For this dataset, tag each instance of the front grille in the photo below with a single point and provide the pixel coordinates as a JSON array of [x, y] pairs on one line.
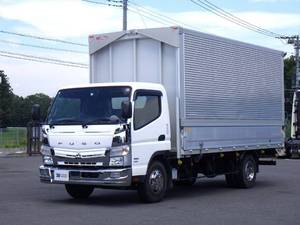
[[81, 162], [65, 163], [85, 156]]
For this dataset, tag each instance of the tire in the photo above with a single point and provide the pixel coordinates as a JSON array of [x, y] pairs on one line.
[[247, 172], [79, 191], [154, 188], [246, 176]]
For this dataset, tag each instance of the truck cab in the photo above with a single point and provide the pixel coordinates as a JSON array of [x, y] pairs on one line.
[[293, 142], [104, 135]]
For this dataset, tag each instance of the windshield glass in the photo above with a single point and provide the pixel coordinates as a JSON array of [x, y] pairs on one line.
[[95, 105]]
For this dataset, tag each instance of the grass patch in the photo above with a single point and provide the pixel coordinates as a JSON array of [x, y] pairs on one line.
[[287, 129], [13, 137]]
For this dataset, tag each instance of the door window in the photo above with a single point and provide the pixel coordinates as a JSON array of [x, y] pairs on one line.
[[147, 108]]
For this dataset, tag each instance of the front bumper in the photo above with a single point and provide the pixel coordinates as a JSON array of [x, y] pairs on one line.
[[102, 177]]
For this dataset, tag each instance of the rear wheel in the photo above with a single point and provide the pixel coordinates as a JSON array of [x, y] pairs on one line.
[[246, 176], [79, 191], [154, 187]]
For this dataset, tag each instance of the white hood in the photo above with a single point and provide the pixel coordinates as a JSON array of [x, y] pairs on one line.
[[75, 138]]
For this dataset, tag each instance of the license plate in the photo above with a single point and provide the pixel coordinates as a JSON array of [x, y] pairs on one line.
[[61, 175]]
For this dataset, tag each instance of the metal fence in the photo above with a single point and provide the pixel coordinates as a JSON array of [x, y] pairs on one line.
[[22, 137], [13, 137]]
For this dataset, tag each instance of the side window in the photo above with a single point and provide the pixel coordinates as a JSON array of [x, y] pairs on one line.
[[147, 108]]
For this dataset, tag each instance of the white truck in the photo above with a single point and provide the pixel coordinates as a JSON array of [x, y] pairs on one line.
[[292, 144], [164, 106]]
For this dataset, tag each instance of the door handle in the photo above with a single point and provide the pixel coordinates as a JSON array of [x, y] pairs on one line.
[[161, 137]]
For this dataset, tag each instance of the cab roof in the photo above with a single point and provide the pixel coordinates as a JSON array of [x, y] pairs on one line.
[[133, 85]]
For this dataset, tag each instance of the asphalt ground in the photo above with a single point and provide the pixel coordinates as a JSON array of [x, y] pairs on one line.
[[274, 200]]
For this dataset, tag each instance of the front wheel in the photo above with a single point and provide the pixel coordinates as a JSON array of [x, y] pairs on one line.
[[154, 188], [79, 191]]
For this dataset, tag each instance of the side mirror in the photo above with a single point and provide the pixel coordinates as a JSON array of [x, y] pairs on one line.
[[36, 112], [126, 109]]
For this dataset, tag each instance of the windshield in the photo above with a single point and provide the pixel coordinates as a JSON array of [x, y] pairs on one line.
[[95, 105]]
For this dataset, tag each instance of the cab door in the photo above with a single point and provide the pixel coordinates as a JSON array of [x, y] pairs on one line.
[[150, 128]]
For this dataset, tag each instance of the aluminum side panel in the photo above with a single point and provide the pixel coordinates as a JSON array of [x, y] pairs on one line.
[[229, 81], [232, 94]]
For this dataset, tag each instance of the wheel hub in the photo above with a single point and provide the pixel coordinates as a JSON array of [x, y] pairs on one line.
[[156, 181], [250, 171]]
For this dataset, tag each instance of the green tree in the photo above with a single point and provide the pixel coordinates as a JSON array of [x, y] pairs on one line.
[[6, 96], [41, 99], [289, 76], [19, 116], [22, 108]]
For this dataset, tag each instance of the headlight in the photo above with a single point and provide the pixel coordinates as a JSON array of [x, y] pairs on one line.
[[45, 150], [120, 137], [116, 161], [120, 150], [47, 160]]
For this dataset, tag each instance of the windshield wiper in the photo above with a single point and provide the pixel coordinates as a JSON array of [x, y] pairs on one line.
[[66, 121], [96, 121], [113, 120]]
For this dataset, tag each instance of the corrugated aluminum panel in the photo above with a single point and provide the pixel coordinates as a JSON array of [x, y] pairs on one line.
[[232, 95], [229, 80]]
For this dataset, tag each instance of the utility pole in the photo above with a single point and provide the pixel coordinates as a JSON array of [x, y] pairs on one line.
[[294, 40], [125, 2], [292, 145], [297, 47]]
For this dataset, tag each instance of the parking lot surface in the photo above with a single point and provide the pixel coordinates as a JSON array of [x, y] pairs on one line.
[[274, 200]]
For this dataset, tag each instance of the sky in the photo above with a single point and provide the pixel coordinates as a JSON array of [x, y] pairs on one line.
[[75, 20]]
